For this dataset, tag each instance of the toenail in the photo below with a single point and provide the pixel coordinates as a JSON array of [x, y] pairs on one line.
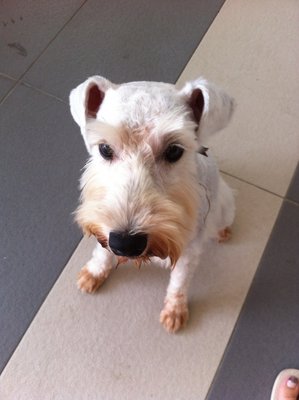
[[292, 382]]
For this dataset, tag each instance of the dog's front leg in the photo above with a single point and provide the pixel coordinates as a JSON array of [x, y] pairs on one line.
[[175, 312], [96, 271]]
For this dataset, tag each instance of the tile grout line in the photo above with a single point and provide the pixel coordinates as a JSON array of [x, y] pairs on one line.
[[5, 76], [19, 80], [27, 84], [294, 203], [284, 198]]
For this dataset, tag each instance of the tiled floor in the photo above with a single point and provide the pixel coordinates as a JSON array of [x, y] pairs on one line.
[[110, 345]]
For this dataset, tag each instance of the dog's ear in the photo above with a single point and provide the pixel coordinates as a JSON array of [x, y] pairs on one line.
[[211, 107], [86, 99]]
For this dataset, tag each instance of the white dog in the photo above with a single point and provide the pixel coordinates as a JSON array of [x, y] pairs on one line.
[[149, 190]]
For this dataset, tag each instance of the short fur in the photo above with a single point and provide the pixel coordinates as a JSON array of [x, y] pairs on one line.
[[178, 205]]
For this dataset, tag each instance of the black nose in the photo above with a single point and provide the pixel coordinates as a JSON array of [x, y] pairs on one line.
[[124, 244]]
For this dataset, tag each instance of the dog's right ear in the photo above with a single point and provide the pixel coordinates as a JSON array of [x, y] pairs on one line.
[[86, 99]]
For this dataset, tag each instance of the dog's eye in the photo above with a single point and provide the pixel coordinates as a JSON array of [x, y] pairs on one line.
[[173, 153], [106, 151]]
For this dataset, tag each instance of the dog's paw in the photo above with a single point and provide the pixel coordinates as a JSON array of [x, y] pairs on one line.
[[175, 314], [89, 283], [224, 235]]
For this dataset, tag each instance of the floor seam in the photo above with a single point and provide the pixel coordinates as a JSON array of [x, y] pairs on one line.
[[19, 80], [27, 84], [290, 201], [254, 185], [5, 76]]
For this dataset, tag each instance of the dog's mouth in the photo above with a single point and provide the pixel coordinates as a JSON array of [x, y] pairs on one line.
[[153, 249], [137, 261], [102, 240]]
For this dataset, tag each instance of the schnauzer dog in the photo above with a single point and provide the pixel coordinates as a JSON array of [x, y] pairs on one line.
[[150, 191]]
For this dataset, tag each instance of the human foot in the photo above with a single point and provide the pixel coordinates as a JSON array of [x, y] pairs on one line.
[[286, 386]]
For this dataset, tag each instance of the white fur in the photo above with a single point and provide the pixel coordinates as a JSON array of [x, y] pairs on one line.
[[122, 194], [218, 107], [102, 260]]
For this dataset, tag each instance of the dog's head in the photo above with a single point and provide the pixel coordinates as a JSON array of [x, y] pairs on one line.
[[139, 189]]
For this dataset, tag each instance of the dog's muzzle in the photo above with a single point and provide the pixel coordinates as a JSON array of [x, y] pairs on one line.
[[126, 245]]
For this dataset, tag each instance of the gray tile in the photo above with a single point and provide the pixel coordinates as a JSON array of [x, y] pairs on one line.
[[41, 153], [293, 191], [124, 41], [27, 27], [266, 336], [5, 85]]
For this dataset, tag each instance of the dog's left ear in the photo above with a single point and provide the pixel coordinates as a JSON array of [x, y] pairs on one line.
[[211, 107]]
